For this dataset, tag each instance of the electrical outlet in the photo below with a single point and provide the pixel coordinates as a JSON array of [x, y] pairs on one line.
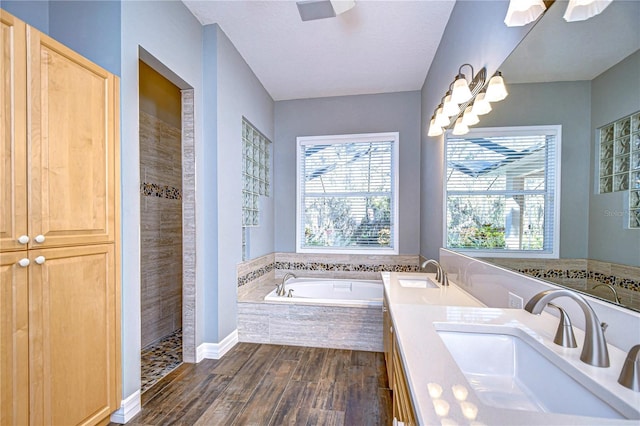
[[515, 301]]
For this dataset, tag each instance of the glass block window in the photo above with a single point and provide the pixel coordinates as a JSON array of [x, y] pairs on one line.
[[501, 187], [255, 172], [634, 173], [347, 194], [619, 162]]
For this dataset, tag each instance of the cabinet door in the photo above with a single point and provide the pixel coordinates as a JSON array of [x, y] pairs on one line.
[[14, 340], [73, 335], [72, 146], [387, 340], [13, 128]]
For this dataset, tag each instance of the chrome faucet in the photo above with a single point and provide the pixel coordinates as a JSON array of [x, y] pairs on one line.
[[441, 275], [630, 374], [280, 291], [594, 348], [613, 289], [564, 334]]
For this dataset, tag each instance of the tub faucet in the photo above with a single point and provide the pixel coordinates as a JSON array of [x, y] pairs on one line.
[[441, 275], [280, 291], [613, 289], [594, 348]]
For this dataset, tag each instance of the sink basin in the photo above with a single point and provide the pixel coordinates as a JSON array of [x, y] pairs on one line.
[[417, 283], [510, 369]]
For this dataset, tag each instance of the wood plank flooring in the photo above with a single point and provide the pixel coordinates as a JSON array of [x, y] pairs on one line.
[[256, 384]]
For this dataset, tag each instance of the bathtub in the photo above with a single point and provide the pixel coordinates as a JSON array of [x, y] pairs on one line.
[[330, 291]]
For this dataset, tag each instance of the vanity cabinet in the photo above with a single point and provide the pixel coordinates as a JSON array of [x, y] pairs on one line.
[[387, 339], [59, 244], [402, 404]]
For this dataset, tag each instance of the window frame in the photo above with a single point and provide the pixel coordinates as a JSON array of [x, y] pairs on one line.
[[555, 130], [394, 137]]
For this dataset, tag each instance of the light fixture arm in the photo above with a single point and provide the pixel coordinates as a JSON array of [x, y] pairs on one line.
[[460, 75]]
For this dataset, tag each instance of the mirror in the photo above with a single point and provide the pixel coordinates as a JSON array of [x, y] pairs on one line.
[[583, 76]]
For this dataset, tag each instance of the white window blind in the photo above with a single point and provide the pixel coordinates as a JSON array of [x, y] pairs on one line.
[[502, 190], [347, 193]]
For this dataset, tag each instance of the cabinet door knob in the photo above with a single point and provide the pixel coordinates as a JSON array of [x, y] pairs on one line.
[[40, 260], [384, 309], [39, 238], [23, 262], [23, 239]]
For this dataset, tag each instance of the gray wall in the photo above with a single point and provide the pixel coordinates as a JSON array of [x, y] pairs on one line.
[[567, 104], [91, 28], [172, 35], [475, 34], [615, 94], [238, 93], [347, 115]]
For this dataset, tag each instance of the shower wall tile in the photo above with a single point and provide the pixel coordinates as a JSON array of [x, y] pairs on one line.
[[160, 228], [189, 228]]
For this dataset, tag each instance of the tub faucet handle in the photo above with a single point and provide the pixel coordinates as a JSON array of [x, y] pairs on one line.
[[290, 293]]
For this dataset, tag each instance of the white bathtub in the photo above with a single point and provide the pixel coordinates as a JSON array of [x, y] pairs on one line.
[[330, 291]]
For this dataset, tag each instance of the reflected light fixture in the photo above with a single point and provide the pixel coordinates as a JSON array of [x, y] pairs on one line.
[[469, 118], [460, 128], [522, 12], [481, 105], [496, 90], [449, 107], [581, 10], [441, 120]]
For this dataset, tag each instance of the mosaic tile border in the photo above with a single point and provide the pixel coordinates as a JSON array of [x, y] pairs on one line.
[[160, 191], [627, 283], [322, 266]]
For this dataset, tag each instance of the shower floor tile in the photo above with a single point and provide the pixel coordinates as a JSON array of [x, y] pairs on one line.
[[160, 358]]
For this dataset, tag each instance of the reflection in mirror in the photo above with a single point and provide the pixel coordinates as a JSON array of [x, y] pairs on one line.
[[583, 76]]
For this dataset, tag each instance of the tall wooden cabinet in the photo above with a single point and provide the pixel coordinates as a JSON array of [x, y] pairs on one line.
[[59, 245]]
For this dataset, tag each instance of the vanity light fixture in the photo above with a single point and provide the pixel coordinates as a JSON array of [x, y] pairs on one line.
[[461, 92], [522, 12], [496, 91], [581, 10], [464, 113]]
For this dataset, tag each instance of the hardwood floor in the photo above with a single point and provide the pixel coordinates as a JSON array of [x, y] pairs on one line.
[[257, 384]]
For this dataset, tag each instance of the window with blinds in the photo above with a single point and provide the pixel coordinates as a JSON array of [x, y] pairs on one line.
[[347, 193], [502, 191]]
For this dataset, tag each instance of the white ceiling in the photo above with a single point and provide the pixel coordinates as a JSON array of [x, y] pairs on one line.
[[556, 50], [376, 47]]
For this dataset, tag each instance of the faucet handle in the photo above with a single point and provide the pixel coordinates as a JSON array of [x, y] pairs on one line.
[[564, 334], [630, 374]]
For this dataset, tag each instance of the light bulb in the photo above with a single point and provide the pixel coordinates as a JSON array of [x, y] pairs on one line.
[[469, 118], [521, 12], [496, 91], [460, 93], [460, 128], [434, 130], [441, 120], [481, 105], [450, 108]]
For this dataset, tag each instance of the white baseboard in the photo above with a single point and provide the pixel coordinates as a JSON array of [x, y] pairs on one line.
[[217, 350], [129, 407]]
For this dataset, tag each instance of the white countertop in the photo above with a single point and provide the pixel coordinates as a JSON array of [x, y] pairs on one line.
[[430, 365]]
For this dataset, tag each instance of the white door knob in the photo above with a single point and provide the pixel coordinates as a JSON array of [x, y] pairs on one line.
[[23, 262], [39, 238], [40, 260], [23, 239]]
